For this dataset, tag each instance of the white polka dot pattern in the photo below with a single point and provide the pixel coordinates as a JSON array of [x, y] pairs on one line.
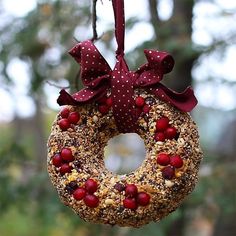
[[98, 77], [122, 94], [94, 68]]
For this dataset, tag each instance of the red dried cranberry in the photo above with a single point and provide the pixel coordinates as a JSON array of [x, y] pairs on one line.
[[91, 200], [162, 124], [131, 190], [91, 186], [168, 172], [109, 102], [143, 199], [163, 159], [160, 137], [67, 155], [103, 109], [65, 113], [171, 133], [74, 117], [139, 101], [64, 124], [65, 168], [130, 203], [176, 161], [79, 193], [57, 160]]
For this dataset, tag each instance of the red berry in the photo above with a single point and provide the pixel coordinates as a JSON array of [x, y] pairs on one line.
[[67, 155], [139, 101], [57, 160], [74, 117], [64, 124], [65, 113], [146, 108], [168, 172], [79, 193], [131, 190], [65, 168], [103, 109], [143, 199], [109, 102], [171, 133], [162, 124], [130, 203], [163, 159], [176, 161], [91, 186], [160, 137], [91, 200]]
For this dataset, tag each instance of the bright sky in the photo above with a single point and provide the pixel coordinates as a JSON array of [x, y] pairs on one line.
[[216, 66], [18, 8]]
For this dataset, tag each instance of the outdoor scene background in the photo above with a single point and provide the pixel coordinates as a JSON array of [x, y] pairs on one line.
[[34, 39]]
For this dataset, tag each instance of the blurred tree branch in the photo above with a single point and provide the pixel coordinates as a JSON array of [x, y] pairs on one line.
[[154, 18], [94, 20]]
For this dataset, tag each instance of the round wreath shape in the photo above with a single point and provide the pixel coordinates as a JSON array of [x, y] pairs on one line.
[[123, 101]]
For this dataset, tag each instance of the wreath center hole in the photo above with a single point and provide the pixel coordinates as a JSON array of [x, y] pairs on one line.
[[124, 153]]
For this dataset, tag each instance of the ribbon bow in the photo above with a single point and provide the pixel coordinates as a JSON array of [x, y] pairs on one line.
[[98, 78]]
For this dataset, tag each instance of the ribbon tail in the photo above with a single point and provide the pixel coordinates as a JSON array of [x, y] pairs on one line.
[[66, 99], [83, 96], [184, 101]]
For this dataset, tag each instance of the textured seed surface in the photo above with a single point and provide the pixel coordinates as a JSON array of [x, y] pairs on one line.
[[87, 140]]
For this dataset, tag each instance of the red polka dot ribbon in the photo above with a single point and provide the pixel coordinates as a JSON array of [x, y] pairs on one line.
[[98, 78]]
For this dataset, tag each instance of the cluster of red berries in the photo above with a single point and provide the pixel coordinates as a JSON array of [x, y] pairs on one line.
[[68, 118], [164, 130], [133, 198], [104, 105], [62, 160], [86, 193], [170, 163], [141, 106]]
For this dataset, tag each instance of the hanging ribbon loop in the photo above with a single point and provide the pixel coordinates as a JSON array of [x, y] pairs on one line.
[[119, 15]]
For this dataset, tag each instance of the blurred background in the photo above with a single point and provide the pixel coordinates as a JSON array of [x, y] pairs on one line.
[[34, 39]]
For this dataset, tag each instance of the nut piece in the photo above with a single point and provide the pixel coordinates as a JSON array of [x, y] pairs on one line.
[[169, 183], [109, 201], [95, 119]]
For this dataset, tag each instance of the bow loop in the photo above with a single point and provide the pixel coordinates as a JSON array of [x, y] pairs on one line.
[[161, 62], [94, 68], [95, 75], [151, 73]]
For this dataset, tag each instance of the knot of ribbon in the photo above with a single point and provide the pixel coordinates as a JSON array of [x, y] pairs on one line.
[[98, 78]]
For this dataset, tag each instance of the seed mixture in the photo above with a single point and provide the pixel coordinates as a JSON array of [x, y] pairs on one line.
[[168, 173]]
